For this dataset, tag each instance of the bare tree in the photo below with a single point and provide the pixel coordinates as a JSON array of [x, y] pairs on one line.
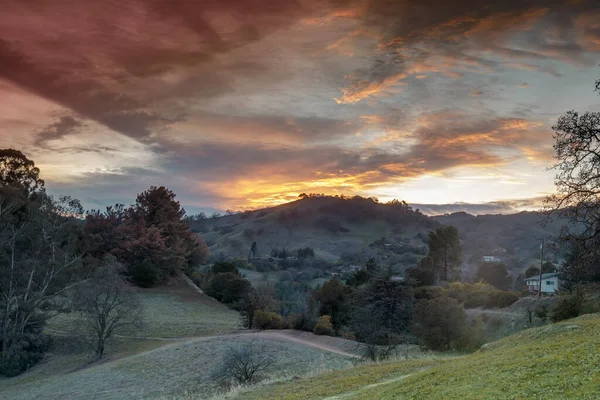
[[577, 197], [529, 311], [107, 304], [243, 362]]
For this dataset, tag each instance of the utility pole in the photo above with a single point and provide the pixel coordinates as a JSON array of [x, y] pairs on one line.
[[541, 264]]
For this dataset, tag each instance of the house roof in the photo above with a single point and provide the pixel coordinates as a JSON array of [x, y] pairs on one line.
[[544, 276]]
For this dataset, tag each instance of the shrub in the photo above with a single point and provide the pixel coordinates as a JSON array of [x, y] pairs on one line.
[[567, 306], [268, 320], [28, 352], [302, 321], [472, 337], [500, 299], [428, 292], [542, 312], [480, 294], [145, 274], [439, 323], [324, 326]]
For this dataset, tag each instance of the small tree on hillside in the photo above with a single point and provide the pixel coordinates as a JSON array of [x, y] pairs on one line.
[[107, 304], [260, 298], [244, 362], [439, 323], [381, 316]]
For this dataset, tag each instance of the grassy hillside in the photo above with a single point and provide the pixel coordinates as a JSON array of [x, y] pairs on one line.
[[178, 350], [559, 361], [170, 370], [331, 226], [353, 229], [172, 311]]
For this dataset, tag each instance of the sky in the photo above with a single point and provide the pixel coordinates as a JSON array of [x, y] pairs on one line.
[[238, 104]]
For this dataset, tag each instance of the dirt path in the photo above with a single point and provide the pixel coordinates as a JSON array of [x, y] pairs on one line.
[[291, 338], [275, 335], [356, 392]]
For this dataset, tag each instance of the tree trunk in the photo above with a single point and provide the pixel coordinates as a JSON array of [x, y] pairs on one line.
[[100, 350]]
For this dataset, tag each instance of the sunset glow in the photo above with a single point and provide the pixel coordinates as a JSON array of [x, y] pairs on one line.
[[244, 104]]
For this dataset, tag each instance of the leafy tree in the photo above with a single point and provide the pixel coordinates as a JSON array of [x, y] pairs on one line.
[[227, 287], [324, 326], [425, 273], [445, 250], [260, 298], [40, 256], [381, 316], [224, 266], [532, 271], [107, 304], [17, 171], [496, 274], [439, 323], [305, 252], [152, 238], [333, 298]]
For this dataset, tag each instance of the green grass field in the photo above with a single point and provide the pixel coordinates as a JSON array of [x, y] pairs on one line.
[[172, 311], [559, 361]]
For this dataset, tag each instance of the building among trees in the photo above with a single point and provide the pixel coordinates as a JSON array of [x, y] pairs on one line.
[[549, 283]]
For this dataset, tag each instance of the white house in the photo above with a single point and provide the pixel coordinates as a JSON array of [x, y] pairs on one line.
[[490, 259], [549, 283]]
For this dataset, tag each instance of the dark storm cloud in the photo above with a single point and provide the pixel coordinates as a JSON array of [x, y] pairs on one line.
[[146, 68], [64, 126]]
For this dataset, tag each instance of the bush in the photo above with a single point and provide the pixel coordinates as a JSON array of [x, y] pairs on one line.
[[472, 337], [268, 320], [542, 312], [428, 292], [567, 306], [473, 295], [439, 323], [26, 354], [324, 326], [500, 299], [302, 321], [145, 274]]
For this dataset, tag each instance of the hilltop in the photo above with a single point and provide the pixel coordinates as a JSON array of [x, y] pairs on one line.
[[332, 226], [355, 229]]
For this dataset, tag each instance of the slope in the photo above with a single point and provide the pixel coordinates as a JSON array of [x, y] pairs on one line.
[[332, 226], [355, 229], [560, 361], [184, 366]]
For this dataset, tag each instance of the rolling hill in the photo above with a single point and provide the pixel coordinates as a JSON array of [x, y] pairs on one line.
[[332, 226], [178, 350], [355, 229]]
